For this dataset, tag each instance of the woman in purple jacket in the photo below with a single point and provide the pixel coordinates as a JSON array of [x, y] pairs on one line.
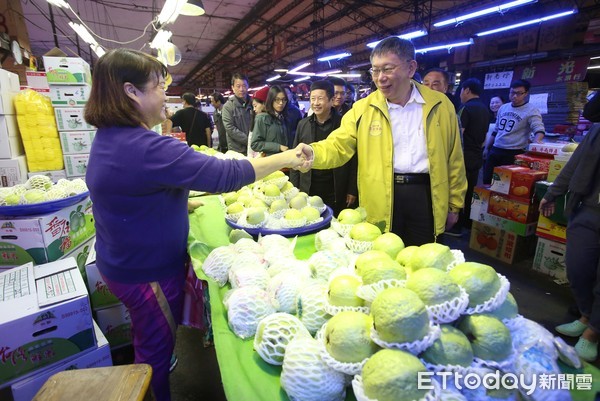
[[139, 182]]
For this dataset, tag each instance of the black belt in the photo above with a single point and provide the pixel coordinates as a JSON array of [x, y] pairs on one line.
[[418, 179]]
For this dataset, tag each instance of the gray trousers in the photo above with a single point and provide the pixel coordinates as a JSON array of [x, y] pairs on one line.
[[582, 260]]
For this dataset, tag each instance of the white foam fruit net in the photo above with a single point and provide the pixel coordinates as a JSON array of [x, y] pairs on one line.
[[246, 306], [342, 229], [495, 301], [293, 223], [358, 246], [217, 264], [459, 257], [273, 334], [449, 311], [324, 237], [304, 375], [359, 391], [284, 287], [249, 275], [414, 347], [370, 291], [343, 367], [311, 306], [505, 365]]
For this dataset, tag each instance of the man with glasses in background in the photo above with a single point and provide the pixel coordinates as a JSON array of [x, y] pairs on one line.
[[514, 124], [411, 172], [339, 95]]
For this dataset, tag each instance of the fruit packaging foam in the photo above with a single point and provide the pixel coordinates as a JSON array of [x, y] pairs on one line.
[[359, 391], [348, 368], [495, 301], [370, 291], [415, 347], [449, 311]]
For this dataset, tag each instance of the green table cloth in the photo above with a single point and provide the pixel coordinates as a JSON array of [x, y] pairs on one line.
[[245, 376]]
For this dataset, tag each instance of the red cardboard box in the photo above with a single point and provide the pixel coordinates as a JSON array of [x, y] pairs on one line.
[[512, 208], [502, 177], [522, 184], [533, 161], [499, 244], [548, 148]]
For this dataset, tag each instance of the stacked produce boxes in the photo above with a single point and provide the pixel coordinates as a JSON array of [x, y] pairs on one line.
[[70, 85], [13, 167]]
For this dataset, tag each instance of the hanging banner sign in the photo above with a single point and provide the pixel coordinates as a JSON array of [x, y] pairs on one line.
[[498, 80], [552, 72]]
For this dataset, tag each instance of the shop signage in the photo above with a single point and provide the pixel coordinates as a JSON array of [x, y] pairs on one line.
[[498, 80], [552, 72]]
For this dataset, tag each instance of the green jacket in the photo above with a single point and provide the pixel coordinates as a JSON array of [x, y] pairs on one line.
[[368, 124]]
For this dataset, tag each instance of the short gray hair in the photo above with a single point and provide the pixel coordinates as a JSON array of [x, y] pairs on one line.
[[402, 48]]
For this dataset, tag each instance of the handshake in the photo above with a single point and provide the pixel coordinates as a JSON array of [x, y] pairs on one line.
[[301, 157]]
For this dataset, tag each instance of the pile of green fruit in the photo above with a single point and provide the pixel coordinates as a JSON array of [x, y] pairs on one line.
[[40, 188]]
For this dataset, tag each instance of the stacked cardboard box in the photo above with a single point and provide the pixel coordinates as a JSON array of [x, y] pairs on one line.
[[504, 215], [70, 85], [13, 166]]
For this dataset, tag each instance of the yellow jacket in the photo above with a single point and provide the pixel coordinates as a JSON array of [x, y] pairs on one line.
[[368, 124]]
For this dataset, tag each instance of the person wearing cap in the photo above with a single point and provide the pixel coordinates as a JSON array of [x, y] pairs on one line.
[[258, 106], [237, 113], [195, 123], [269, 134]]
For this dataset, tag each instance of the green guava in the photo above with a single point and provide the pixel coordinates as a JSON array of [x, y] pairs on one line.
[[349, 216], [298, 202], [342, 291], [479, 281], [433, 286], [235, 208], [293, 214], [364, 231], [390, 243], [271, 190], [255, 215], [277, 205], [489, 337], [347, 337], [433, 255], [310, 213], [452, 348], [399, 316], [508, 310], [405, 255], [235, 235], [366, 258], [382, 269]]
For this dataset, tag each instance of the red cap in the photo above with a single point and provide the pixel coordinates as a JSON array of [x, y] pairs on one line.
[[261, 94]]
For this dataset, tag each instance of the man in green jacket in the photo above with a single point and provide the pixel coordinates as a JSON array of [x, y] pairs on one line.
[[411, 172]]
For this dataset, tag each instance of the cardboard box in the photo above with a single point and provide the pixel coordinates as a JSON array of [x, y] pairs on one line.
[[115, 323], [548, 148], [512, 208], [100, 295], [502, 245], [549, 229], [76, 142], [47, 237], [37, 80], [9, 87], [541, 187], [76, 165], [84, 254], [69, 95], [71, 119], [54, 175], [67, 71], [550, 259], [46, 317], [13, 171], [502, 177], [25, 390], [534, 161], [479, 202], [556, 167], [522, 184]]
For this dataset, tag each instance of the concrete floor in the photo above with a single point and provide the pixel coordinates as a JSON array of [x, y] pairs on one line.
[[197, 375]]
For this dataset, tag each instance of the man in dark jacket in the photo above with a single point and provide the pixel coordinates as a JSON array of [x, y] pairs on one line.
[[195, 123], [337, 187], [237, 113], [217, 100]]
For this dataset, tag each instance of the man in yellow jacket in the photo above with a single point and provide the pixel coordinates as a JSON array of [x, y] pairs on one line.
[[411, 172]]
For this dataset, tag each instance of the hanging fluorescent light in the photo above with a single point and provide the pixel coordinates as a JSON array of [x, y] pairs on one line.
[[99, 51], [346, 75], [326, 73], [407, 36], [160, 39], [59, 3], [335, 56], [448, 46], [365, 63], [496, 9], [310, 74], [170, 11], [525, 23], [594, 58], [280, 70], [594, 67], [301, 79], [193, 8], [301, 66], [83, 33], [273, 78]]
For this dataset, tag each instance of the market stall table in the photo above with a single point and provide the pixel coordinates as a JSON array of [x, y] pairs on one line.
[[245, 376]]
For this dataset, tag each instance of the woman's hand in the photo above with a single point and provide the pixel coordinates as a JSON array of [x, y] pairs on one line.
[[283, 148]]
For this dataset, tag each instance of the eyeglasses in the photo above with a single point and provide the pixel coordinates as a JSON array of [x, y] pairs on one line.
[[280, 100], [516, 93]]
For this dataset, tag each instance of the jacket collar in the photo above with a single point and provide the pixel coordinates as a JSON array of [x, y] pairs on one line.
[[431, 98]]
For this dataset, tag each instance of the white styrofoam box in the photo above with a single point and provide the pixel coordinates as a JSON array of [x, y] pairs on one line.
[[100, 294], [67, 71], [69, 95], [550, 258], [76, 165], [9, 87], [13, 171], [74, 142], [115, 323], [9, 126], [46, 317], [37, 80], [54, 175], [71, 119], [11, 146], [25, 390]]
